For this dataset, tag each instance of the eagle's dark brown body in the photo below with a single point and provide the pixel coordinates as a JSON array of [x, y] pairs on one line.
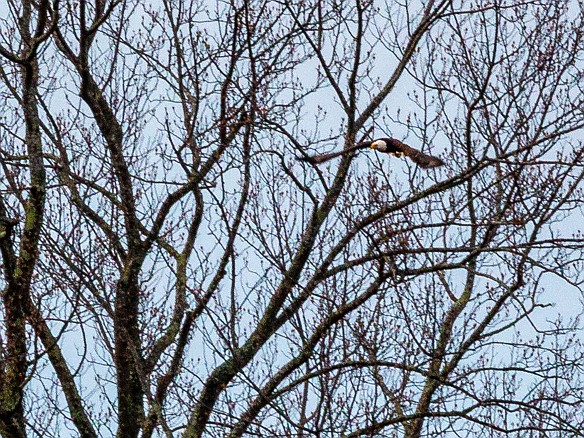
[[386, 145]]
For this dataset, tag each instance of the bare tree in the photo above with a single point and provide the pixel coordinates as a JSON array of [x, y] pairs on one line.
[[171, 269]]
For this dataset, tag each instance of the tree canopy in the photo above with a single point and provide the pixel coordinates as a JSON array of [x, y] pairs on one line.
[[170, 268]]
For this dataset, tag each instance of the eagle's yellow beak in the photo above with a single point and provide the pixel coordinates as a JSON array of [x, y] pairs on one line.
[[372, 146]]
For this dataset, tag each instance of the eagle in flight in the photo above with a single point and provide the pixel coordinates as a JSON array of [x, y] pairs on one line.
[[389, 146]]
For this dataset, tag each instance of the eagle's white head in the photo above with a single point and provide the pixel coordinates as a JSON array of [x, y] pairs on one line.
[[379, 145]]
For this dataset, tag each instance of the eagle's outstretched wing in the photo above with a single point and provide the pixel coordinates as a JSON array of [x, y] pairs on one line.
[[321, 158], [418, 157]]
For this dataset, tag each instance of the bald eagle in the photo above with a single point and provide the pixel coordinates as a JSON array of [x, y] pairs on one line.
[[389, 146]]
